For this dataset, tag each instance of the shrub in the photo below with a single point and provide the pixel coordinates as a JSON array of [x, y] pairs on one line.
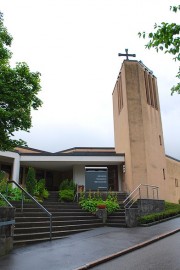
[[67, 190], [67, 184], [66, 195], [111, 206], [94, 199], [41, 191], [31, 181], [90, 204], [3, 182], [5, 189], [15, 194], [41, 186], [2, 203], [45, 193]]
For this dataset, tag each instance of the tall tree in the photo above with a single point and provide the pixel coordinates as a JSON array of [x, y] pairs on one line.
[[18, 94], [166, 38]]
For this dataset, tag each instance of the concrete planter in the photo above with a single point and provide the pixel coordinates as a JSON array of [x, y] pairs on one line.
[[6, 229], [102, 213]]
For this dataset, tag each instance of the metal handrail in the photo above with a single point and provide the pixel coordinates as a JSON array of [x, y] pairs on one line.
[[4, 198], [37, 203], [129, 200]]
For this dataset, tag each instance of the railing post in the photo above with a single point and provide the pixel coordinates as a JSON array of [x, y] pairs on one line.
[[50, 227], [22, 201], [6, 200], [7, 190]]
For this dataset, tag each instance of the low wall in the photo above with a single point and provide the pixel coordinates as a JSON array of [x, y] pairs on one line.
[[144, 207], [6, 229], [148, 206], [132, 215]]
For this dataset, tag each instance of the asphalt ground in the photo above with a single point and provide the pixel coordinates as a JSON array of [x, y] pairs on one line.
[[160, 255], [86, 250]]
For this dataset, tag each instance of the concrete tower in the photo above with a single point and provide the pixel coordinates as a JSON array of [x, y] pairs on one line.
[[138, 128]]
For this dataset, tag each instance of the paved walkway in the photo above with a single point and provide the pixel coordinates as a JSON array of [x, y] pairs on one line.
[[79, 250]]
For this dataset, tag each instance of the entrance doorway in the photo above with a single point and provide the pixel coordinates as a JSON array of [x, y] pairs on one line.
[[49, 181], [113, 178]]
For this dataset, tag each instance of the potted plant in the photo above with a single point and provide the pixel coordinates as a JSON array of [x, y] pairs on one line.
[[101, 206]]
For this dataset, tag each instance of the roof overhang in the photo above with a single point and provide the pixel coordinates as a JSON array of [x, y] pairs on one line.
[[67, 162]]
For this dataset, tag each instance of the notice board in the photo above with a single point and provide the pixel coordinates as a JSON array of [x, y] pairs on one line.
[[96, 179]]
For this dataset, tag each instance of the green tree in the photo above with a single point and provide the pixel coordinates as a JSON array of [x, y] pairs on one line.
[[18, 94], [166, 38], [31, 181]]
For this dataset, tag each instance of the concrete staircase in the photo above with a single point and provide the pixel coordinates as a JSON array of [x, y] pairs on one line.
[[118, 218], [32, 225]]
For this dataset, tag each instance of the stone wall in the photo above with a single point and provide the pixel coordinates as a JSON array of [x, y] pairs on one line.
[[6, 231], [144, 207], [148, 206]]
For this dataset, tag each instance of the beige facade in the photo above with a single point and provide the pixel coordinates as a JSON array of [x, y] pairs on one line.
[[138, 131], [173, 183]]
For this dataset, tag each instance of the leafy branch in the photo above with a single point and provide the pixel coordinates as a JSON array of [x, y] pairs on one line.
[[166, 38]]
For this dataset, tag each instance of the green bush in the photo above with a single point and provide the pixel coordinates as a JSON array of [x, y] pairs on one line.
[[94, 199], [66, 195], [90, 204], [45, 194], [15, 194], [41, 191], [171, 209], [35, 188], [67, 184], [31, 182], [3, 182], [67, 190], [41, 185], [111, 206], [5, 189], [3, 203]]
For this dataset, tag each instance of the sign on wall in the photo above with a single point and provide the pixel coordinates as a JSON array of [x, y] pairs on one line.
[[96, 178]]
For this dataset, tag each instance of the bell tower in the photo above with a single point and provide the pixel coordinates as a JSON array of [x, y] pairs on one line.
[[137, 126]]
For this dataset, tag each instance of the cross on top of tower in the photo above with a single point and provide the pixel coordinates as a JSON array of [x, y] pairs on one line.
[[126, 54]]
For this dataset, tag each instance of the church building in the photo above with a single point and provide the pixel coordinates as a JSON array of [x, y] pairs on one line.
[[137, 158]]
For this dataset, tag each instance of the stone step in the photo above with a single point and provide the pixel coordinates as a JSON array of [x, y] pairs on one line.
[[45, 203], [59, 213], [45, 218], [55, 223], [116, 216], [36, 240], [51, 210], [29, 230], [120, 224], [118, 219], [41, 235]]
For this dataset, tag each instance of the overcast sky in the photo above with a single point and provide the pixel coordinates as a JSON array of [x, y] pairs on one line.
[[74, 44]]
